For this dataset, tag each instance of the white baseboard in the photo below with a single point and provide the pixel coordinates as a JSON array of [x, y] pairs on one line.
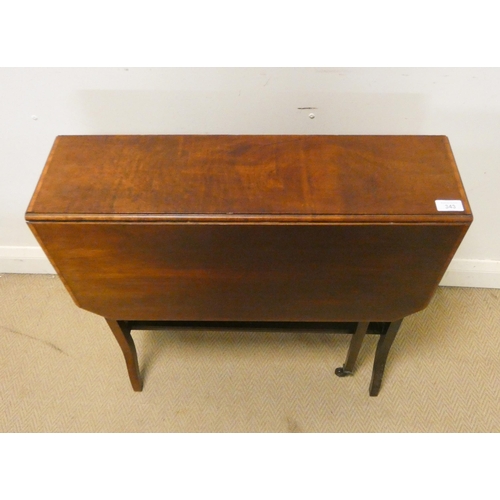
[[461, 272], [24, 260], [472, 273]]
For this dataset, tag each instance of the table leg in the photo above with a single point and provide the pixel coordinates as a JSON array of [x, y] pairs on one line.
[[383, 347], [354, 347], [121, 331]]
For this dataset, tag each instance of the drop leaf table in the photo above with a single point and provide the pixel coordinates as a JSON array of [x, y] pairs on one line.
[[314, 232]]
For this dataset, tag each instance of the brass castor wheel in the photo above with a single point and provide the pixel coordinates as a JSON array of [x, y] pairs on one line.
[[340, 372]]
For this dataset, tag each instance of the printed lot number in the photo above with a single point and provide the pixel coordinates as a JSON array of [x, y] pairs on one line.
[[449, 206]]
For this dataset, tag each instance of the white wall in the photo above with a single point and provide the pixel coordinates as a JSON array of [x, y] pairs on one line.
[[463, 104]]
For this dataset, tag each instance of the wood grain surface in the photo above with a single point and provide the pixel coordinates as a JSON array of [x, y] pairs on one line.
[[294, 272], [268, 177], [249, 228]]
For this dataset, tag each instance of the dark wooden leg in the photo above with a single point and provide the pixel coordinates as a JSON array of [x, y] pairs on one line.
[[354, 347], [121, 331], [383, 348]]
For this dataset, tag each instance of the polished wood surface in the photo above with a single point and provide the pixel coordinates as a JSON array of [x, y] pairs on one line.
[[233, 176], [245, 272], [121, 331], [155, 230]]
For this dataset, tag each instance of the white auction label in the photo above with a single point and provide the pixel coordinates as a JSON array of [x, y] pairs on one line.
[[449, 206]]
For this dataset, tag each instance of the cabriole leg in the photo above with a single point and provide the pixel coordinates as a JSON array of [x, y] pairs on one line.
[[121, 331], [383, 348]]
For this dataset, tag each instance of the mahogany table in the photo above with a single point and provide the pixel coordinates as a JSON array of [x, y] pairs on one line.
[[334, 233]]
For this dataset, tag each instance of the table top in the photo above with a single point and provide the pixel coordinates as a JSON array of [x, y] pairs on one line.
[[250, 228], [242, 177]]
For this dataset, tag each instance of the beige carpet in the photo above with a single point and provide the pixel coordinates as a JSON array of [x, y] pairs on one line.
[[62, 371]]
